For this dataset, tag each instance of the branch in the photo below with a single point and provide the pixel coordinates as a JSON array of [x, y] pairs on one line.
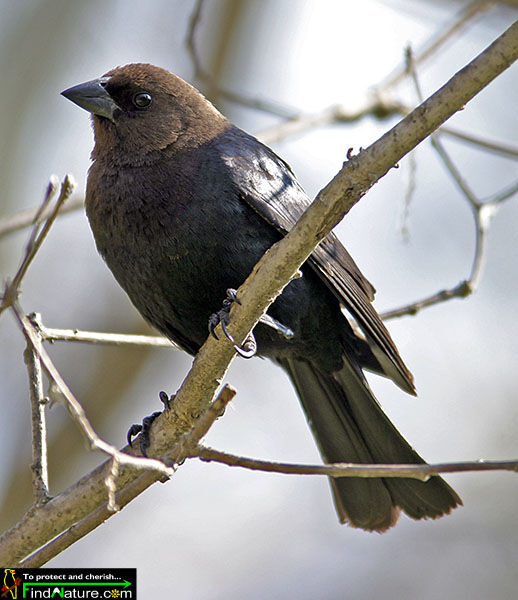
[[501, 148], [338, 113], [422, 472], [50, 334], [266, 282], [36, 216], [74, 407], [38, 235], [262, 104], [39, 467], [472, 10], [185, 445], [482, 213]]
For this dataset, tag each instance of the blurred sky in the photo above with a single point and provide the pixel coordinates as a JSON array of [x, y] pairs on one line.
[[215, 532]]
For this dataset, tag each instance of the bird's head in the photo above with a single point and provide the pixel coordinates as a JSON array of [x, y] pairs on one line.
[[139, 110]]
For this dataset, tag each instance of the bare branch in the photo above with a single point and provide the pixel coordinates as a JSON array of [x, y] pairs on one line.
[[76, 410], [30, 217], [119, 499], [337, 113], [503, 195], [50, 334], [39, 467], [470, 12], [422, 472], [190, 40], [491, 146], [37, 236], [111, 484], [459, 291], [262, 104], [482, 214], [409, 195]]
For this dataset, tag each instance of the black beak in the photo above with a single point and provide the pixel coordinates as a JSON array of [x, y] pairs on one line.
[[93, 97]]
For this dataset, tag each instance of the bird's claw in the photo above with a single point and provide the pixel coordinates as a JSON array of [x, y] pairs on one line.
[[144, 428], [249, 347], [222, 317]]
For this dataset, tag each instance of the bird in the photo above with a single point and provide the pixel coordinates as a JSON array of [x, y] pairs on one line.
[[182, 204]]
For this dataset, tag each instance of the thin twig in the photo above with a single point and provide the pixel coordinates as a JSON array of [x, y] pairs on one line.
[[262, 104], [503, 195], [50, 334], [37, 237], [435, 42], [190, 40], [39, 467], [28, 217], [462, 290], [119, 499], [76, 410], [482, 214], [490, 146], [422, 472], [111, 485], [409, 195], [189, 440], [336, 113]]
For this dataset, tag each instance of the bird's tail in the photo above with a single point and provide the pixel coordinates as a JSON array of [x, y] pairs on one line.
[[350, 426]]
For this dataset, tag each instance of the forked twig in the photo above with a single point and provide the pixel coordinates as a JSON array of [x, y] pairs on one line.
[[482, 214], [37, 236]]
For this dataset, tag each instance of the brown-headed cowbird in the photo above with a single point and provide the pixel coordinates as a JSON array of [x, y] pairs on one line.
[[182, 205]]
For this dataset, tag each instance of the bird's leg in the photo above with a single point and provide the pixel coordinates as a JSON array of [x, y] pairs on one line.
[[223, 315], [249, 347], [145, 427]]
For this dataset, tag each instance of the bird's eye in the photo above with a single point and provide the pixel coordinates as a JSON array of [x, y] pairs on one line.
[[142, 100]]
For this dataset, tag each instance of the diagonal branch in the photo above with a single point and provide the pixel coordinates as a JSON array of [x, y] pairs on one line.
[[74, 407], [37, 235], [182, 449], [465, 17]]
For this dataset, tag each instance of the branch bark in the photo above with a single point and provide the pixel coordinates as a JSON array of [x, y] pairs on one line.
[[267, 280]]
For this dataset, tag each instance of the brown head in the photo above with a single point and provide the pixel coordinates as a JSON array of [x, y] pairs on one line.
[[140, 109]]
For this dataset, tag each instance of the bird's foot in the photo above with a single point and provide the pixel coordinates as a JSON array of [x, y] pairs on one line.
[[223, 315], [249, 347], [144, 428]]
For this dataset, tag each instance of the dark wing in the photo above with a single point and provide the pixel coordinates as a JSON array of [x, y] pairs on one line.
[[274, 193]]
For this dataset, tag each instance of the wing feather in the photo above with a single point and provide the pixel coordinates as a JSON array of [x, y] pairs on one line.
[[274, 193]]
